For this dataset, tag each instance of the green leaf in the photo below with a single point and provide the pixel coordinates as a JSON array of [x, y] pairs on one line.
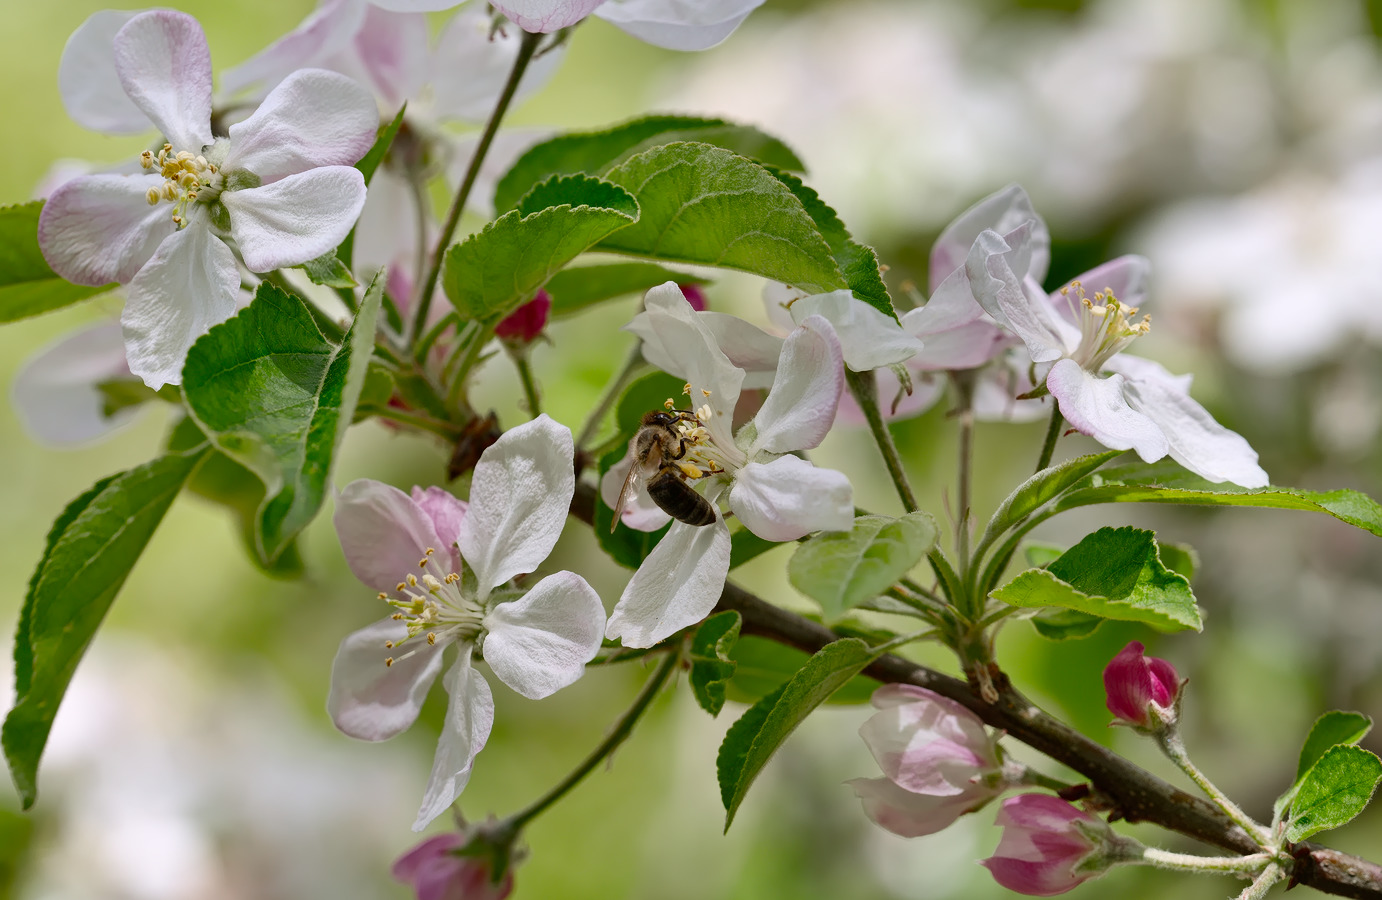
[[752, 740], [329, 271], [841, 569], [1337, 788], [118, 394], [594, 152], [1114, 573], [90, 551], [1065, 624], [489, 274], [711, 665], [703, 205], [575, 288], [763, 665], [1040, 554], [858, 263], [367, 166], [1334, 727], [1040, 489], [1168, 483], [28, 287], [1180, 558], [644, 395], [576, 191], [277, 397]]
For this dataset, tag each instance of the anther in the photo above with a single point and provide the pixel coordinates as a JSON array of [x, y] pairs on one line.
[[431, 637], [388, 645], [401, 586], [388, 662], [412, 580]]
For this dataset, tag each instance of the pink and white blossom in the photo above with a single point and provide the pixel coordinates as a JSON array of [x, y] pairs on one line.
[[672, 24], [1141, 690], [1050, 847], [57, 393], [414, 550], [281, 189], [436, 872], [939, 760], [776, 495]]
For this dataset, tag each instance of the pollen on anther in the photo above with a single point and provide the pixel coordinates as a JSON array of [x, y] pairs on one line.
[[397, 617], [412, 580], [388, 645], [388, 661], [431, 637], [401, 586], [383, 596]]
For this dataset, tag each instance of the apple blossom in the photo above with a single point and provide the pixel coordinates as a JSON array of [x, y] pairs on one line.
[[1049, 846], [58, 393], [436, 872], [1123, 402], [939, 759], [1141, 690], [778, 496], [412, 550], [672, 24], [281, 187], [525, 324]]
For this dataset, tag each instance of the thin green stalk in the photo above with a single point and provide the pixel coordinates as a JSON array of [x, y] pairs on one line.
[[1174, 748], [527, 45], [964, 389], [950, 582], [865, 391], [617, 735], [424, 346], [525, 375], [1038, 779], [611, 394], [426, 423], [1258, 889], [468, 359], [1189, 862], [1048, 447]]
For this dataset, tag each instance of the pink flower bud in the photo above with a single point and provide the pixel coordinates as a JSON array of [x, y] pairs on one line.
[[1048, 846], [694, 295], [1134, 683], [524, 324], [939, 759], [436, 873]]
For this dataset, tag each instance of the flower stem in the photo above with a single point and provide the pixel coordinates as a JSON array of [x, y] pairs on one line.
[[607, 399], [1269, 876], [964, 408], [1174, 747], [1188, 862], [865, 391], [426, 423], [525, 375], [428, 287], [617, 735], [1048, 448]]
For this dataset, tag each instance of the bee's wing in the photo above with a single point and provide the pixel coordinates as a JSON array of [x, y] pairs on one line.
[[626, 493]]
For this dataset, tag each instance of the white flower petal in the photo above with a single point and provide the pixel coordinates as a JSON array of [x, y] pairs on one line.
[[964, 347], [868, 339], [327, 30], [801, 405], [545, 16], [641, 514], [540, 643], [1127, 277], [297, 219], [1197, 442], [96, 229], [788, 498], [386, 234], [389, 55], [777, 304], [469, 67], [677, 585], [190, 284], [90, 88], [444, 509], [1095, 406], [416, 6], [690, 351], [952, 305], [313, 118], [55, 393], [746, 346], [373, 701], [914, 815], [1002, 211], [676, 24], [384, 533], [997, 273], [469, 718], [164, 66], [519, 498]]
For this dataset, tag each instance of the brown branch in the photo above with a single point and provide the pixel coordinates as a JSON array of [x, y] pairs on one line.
[[1140, 795]]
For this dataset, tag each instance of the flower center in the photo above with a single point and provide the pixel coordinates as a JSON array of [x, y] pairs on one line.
[[187, 178], [703, 456], [1105, 326], [434, 607]]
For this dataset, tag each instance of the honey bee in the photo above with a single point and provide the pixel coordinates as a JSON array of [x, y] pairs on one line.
[[655, 448]]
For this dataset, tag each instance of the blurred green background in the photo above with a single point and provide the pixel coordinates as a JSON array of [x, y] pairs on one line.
[[1236, 143]]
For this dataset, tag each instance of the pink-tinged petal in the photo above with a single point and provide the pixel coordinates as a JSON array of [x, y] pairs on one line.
[[164, 65], [964, 346], [789, 498], [416, 6], [408, 866], [1133, 680], [444, 509], [1040, 846], [1035, 879], [1096, 406], [389, 55], [469, 66], [436, 873], [996, 268], [313, 118], [469, 718], [806, 390], [1128, 278], [384, 533], [56, 394], [930, 748], [189, 285], [868, 339], [96, 229], [373, 701], [746, 346], [386, 234], [519, 498], [540, 643], [640, 513], [546, 16], [689, 350], [893, 401], [90, 88], [1196, 441], [327, 30], [677, 585], [913, 815], [1002, 211], [297, 219], [996, 393], [896, 694], [675, 24], [525, 324]]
